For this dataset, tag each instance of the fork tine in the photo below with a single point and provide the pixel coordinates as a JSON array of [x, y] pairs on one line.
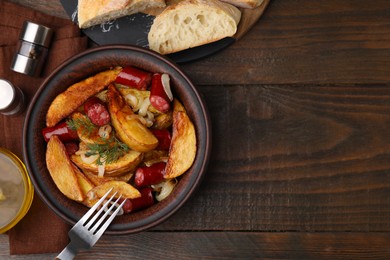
[[80, 235], [108, 222], [92, 210], [93, 229], [92, 220]]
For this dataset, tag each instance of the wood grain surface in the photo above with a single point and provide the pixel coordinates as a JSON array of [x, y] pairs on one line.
[[307, 42], [301, 158], [249, 17], [231, 245], [300, 168]]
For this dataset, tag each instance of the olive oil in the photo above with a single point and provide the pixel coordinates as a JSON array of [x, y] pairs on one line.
[[15, 190]]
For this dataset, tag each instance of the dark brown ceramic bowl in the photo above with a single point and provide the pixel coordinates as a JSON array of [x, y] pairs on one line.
[[87, 64]]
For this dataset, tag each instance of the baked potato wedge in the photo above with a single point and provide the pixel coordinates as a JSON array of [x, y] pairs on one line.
[[163, 121], [85, 135], [124, 164], [96, 180], [62, 170], [122, 188], [127, 125], [182, 151], [84, 183], [74, 96]]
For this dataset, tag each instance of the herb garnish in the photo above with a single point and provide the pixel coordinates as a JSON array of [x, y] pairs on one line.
[[109, 150], [83, 123]]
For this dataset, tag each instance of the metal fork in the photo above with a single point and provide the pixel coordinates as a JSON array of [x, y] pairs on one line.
[[87, 231]]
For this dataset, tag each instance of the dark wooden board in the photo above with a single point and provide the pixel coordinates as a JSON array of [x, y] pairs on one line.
[[134, 30]]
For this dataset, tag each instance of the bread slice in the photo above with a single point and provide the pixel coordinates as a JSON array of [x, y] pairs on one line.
[[92, 12], [192, 23], [251, 4]]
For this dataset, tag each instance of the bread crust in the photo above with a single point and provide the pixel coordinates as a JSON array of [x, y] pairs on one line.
[[251, 4], [206, 31], [93, 12]]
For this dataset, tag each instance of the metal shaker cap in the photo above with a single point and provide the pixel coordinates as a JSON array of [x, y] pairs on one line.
[[36, 33], [32, 49]]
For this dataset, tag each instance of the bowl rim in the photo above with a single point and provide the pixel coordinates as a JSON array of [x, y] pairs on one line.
[[196, 180], [28, 190]]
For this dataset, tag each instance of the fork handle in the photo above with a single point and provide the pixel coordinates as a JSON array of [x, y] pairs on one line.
[[68, 253]]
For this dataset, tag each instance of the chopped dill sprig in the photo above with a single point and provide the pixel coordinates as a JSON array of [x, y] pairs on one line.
[[109, 150], [82, 123]]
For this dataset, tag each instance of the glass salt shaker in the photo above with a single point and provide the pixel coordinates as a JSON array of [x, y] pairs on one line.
[[33, 46]]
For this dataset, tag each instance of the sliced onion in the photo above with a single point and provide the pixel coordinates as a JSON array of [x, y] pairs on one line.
[[144, 107], [142, 120], [139, 104], [120, 212], [91, 195], [83, 146], [132, 100], [101, 169], [153, 161], [150, 115], [136, 117], [89, 159], [104, 131], [132, 116], [80, 152], [165, 80], [148, 123], [166, 189]]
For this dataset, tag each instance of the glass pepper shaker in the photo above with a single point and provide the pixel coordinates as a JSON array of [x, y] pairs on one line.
[[33, 46]]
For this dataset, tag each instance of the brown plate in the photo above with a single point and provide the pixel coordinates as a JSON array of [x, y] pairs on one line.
[[89, 63], [134, 30]]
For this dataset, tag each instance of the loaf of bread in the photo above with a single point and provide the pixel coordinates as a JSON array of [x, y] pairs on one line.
[[192, 23], [92, 12], [244, 3]]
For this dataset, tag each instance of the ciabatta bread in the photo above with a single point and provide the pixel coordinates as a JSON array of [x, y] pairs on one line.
[[157, 11], [245, 3], [192, 23], [92, 12]]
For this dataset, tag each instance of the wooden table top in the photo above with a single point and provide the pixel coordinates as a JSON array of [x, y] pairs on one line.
[[300, 167]]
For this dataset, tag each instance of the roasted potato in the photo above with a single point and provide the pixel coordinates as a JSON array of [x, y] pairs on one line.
[[155, 156], [62, 170], [85, 135], [85, 183], [182, 151], [127, 125], [163, 121], [72, 98], [124, 164], [96, 180], [122, 188]]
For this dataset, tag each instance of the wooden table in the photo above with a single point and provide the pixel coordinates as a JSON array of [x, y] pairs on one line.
[[300, 166]]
